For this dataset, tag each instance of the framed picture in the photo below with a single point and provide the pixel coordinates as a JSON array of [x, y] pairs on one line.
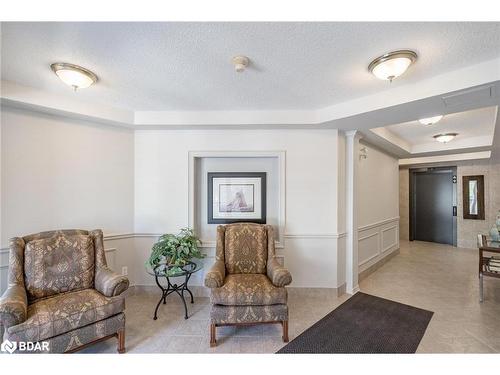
[[236, 197], [473, 197]]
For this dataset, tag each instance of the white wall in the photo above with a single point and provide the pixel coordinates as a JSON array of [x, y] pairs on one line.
[[58, 173], [378, 195], [310, 246]]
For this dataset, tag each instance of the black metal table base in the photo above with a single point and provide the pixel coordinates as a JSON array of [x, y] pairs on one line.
[[171, 288]]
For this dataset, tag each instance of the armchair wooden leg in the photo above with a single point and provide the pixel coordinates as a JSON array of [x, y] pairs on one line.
[[213, 341], [285, 330], [121, 341]]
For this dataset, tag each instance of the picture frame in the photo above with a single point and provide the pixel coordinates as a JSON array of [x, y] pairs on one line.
[[473, 197], [234, 197]]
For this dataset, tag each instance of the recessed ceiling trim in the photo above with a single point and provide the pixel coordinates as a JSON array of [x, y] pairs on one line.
[[474, 94], [65, 105], [445, 158], [464, 143]]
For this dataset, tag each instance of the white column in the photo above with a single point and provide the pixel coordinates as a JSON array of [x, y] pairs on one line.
[[352, 159]]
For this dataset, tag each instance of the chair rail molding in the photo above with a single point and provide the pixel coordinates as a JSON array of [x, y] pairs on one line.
[[280, 155], [211, 243], [378, 223]]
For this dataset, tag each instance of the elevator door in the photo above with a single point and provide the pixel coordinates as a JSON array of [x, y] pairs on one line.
[[433, 211]]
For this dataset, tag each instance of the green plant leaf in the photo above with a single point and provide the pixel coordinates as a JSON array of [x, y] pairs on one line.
[[175, 249]]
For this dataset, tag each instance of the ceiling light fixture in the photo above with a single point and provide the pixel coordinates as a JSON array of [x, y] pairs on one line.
[[392, 64], [430, 120], [240, 63], [74, 75], [445, 138]]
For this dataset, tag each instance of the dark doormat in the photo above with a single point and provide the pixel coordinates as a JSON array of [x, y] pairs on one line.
[[364, 324]]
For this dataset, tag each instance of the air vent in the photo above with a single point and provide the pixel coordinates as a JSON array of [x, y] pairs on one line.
[[473, 95]]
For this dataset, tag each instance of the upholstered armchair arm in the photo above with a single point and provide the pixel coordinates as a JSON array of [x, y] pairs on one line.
[[216, 275], [278, 274], [13, 307], [110, 283]]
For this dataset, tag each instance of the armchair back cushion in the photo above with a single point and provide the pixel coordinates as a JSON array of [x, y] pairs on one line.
[[245, 248], [58, 264]]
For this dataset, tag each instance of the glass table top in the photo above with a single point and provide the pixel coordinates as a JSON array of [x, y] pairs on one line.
[[165, 270]]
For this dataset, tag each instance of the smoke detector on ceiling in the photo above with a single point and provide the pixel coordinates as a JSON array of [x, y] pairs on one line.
[[240, 63]]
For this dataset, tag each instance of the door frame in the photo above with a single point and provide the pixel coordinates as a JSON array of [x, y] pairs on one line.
[[412, 213]]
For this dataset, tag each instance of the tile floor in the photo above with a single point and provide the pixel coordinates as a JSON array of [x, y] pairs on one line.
[[436, 277]]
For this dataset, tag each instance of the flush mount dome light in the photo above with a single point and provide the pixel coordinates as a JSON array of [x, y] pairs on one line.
[[445, 138], [240, 63], [74, 75], [392, 64], [430, 120]]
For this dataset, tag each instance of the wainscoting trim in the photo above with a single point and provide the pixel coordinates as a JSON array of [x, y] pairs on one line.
[[393, 244], [121, 236], [108, 237], [377, 224], [379, 230], [368, 236], [208, 244], [370, 258]]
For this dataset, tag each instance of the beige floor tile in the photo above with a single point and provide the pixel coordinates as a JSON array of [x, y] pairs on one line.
[[246, 331], [436, 344], [183, 344], [191, 327]]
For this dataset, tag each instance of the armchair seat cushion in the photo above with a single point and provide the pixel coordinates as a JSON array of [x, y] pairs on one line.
[[63, 313], [248, 290]]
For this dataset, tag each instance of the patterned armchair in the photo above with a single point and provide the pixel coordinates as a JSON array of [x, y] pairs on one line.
[[247, 282], [62, 292]]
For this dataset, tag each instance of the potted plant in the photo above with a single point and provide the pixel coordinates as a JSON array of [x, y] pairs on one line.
[[176, 250]]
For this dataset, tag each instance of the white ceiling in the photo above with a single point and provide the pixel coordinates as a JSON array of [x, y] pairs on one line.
[[411, 140], [186, 66], [474, 123]]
